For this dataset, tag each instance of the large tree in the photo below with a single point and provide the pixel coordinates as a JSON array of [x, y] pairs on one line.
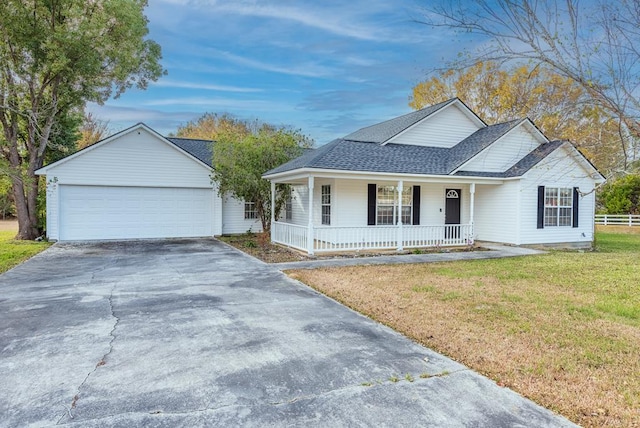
[[595, 44], [240, 159], [559, 106], [54, 57]]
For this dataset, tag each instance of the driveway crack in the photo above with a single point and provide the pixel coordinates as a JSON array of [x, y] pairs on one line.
[[101, 362]]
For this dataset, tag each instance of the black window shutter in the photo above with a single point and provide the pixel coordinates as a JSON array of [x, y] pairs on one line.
[[416, 205], [540, 207], [576, 198], [371, 214]]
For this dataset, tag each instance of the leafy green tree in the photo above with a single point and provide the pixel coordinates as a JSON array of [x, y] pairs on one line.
[[239, 160], [56, 56], [561, 108], [621, 196]]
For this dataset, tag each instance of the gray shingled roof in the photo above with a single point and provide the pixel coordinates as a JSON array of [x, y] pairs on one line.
[[524, 165], [381, 132], [345, 154], [199, 149]]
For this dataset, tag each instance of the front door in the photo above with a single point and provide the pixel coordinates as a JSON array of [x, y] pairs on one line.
[[452, 213]]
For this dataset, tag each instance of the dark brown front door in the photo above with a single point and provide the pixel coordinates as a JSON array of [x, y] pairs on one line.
[[452, 213]]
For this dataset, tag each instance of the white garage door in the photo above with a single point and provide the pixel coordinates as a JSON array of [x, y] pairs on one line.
[[96, 212]]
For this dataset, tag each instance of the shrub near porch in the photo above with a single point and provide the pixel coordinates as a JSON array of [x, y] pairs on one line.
[[562, 328]]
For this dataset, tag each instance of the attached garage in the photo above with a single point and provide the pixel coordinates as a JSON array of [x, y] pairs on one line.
[[101, 212], [134, 184]]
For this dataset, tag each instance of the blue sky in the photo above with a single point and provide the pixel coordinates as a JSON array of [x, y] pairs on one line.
[[325, 67]]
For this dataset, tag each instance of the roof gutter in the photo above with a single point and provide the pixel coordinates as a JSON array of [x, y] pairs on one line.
[[334, 173]]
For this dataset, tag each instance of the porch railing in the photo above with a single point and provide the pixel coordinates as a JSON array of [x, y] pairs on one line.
[[331, 238], [290, 234]]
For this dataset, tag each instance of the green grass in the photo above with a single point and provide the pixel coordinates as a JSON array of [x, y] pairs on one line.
[[13, 252], [562, 328], [617, 242]]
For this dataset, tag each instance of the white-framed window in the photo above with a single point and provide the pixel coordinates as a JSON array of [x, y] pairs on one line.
[[250, 212], [288, 207], [325, 203], [558, 206], [387, 205]]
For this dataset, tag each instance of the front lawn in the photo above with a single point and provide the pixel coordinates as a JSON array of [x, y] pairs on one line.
[[561, 328], [13, 252]]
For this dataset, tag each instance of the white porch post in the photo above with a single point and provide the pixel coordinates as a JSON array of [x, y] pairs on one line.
[[400, 183], [472, 199], [273, 204], [310, 215]]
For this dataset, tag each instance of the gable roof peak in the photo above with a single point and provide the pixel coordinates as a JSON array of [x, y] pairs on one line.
[[381, 132]]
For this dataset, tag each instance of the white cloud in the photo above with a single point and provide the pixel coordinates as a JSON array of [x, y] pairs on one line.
[[347, 20], [311, 18], [203, 86], [225, 104], [305, 70]]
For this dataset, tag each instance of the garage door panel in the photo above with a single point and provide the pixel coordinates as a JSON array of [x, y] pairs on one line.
[[97, 212]]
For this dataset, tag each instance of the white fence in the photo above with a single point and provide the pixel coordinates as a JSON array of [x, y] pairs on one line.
[[617, 220], [329, 238]]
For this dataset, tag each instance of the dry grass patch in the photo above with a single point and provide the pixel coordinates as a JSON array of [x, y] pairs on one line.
[[562, 329], [633, 230], [9, 226]]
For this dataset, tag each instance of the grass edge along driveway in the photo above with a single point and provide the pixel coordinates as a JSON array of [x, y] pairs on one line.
[[13, 252], [561, 328]]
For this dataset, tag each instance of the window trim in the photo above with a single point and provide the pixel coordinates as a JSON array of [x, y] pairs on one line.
[[407, 192], [288, 207], [554, 204], [250, 212], [325, 205]]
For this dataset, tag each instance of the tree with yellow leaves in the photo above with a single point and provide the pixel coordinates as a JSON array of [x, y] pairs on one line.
[[560, 107]]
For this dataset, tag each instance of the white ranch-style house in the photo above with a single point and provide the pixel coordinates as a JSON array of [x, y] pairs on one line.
[[440, 177], [434, 177]]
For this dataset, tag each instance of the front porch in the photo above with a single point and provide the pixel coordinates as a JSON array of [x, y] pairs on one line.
[[345, 213], [318, 239]]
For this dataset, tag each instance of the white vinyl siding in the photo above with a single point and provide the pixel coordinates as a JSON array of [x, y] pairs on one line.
[[233, 217], [137, 157], [299, 206], [557, 170], [504, 153], [496, 213], [349, 202], [445, 128]]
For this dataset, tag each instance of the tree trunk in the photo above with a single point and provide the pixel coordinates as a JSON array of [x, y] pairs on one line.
[[265, 216], [25, 210]]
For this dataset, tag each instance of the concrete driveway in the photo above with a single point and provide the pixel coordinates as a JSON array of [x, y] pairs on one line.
[[194, 333]]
